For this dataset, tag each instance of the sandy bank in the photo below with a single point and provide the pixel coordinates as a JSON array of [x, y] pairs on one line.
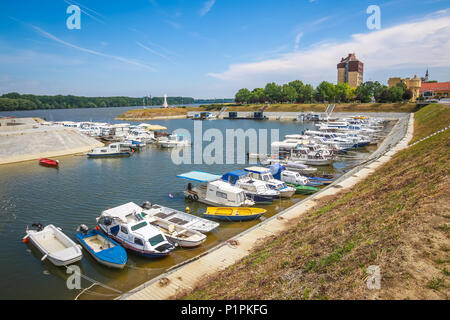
[[27, 143]]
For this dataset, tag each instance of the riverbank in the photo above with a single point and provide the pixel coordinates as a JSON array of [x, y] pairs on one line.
[[170, 113], [25, 140], [396, 219], [188, 275]]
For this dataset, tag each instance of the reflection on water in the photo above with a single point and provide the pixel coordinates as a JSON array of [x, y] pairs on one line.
[[82, 188]]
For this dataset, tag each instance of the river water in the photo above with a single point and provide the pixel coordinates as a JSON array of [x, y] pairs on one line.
[[82, 188]]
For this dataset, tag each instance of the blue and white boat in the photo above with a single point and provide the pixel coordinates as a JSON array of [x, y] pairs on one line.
[[103, 249], [126, 225], [256, 190]]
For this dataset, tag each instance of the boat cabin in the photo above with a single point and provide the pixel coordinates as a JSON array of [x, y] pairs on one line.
[[212, 191], [127, 225]]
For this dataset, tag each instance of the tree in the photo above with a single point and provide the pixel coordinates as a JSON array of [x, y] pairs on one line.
[[385, 96], [307, 94], [363, 93], [243, 96], [258, 96], [326, 91], [408, 94], [343, 92], [396, 93], [289, 93], [273, 92]]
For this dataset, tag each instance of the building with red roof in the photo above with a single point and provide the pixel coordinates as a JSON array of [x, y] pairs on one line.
[[435, 89]]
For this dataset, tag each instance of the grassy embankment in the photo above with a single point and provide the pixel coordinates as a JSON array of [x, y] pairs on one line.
[[149, 114], [397, 219]]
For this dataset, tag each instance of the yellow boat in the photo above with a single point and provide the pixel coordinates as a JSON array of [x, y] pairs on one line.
[[234, 214]]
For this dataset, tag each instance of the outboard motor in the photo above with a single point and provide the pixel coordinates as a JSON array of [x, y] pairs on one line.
[[38, 226], [146, 205], [83, 229], [107, 221]]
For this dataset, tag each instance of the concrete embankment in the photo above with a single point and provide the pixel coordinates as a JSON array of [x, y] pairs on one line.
[[26, 140], [187, 275]]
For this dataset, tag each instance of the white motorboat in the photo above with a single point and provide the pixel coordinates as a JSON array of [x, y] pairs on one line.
[[174, 141], [126, 225], [112, 150], [315, 158], [257, 190], [299, 167], [173, 216], [184, 237], [264, 174], [54, 245], [213, 191]]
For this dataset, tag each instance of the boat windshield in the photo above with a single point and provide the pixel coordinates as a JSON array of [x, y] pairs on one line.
[[155, 240], [261, 188], [139, 226], [240, 197]]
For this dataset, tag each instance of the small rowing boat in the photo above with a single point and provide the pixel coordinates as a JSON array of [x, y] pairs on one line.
[[49, 162], [103, 249], [234, 214], [54, 245], [300, 189]]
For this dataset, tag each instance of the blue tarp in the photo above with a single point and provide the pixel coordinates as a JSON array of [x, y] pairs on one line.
[[233, 176], [199, 176], [276, 169]]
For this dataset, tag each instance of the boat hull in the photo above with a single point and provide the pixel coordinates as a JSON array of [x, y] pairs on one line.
[[145, 254], [112, 155], [233, 218], [305, 190], [234, 214]]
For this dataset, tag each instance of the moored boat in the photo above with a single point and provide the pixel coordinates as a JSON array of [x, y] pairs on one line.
[[103, 249], [110, 151], [58, 248], [234, 214], [184, 237], [305, 190], [49, 162], [126, 225]]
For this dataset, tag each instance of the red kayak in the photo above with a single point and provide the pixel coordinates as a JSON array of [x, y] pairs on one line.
[[49, 162]]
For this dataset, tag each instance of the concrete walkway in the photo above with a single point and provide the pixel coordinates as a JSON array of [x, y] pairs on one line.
[[26, 143], [188, 274]]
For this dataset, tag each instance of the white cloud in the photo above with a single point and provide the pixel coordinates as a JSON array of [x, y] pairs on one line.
[[207, 6], [409, 45], [67, 44], [297, 40]]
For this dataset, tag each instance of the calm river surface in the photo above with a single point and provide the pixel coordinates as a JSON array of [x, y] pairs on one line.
[[81, 189]]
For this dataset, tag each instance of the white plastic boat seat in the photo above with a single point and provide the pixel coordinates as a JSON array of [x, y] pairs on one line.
[[51, 244], [98, 243], [66, 254]]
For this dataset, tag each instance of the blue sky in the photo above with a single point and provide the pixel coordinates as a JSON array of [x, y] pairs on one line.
[[208, 48]]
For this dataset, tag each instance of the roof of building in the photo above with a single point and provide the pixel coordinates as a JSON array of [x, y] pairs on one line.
[[436, 86]]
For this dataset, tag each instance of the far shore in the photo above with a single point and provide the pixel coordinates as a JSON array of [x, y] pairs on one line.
[[181, 113]]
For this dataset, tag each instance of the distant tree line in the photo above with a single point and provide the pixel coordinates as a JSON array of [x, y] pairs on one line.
[[15, 101], [298, 92]]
